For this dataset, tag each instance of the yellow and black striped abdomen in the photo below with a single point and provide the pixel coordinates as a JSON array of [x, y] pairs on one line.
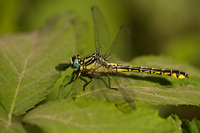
[[173, 73]]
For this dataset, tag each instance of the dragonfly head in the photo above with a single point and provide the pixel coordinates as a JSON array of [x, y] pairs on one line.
[[74, 61]]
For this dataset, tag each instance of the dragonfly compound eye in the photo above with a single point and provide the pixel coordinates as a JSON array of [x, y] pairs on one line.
[[76, 63]]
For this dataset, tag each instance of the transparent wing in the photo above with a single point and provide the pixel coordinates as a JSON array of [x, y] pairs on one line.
[[124, 86], [101, 31], [113, 88], [121, 46], [110, 87]]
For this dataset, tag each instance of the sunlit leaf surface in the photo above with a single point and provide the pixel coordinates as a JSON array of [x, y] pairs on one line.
[[30, 63], [62, 116]]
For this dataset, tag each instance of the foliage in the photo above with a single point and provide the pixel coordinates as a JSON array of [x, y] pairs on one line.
[[30, 67]]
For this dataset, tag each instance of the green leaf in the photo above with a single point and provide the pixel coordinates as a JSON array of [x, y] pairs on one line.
[[30, 63], [62, 116], [165, 89], [153, 89], [11, 128], [191, 127], [175, 120], [3, 115], [63, 91]]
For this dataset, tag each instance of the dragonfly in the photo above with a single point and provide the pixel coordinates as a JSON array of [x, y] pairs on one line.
[[100, 64]]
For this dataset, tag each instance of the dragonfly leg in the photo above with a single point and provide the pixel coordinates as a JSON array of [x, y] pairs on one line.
[[79, 74], [87, 82], [109, 83]]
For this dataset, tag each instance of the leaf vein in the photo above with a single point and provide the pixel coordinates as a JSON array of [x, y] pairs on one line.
[[11, 63]]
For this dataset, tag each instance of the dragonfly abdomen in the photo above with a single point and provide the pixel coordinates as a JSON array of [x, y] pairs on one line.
[[173, 73]]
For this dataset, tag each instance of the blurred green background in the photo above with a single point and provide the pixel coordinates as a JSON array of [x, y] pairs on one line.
[[168, 27]]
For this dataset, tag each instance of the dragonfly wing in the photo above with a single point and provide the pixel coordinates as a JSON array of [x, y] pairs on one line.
[[121, 46], [114, 88], [101, 31], [124, 86]]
